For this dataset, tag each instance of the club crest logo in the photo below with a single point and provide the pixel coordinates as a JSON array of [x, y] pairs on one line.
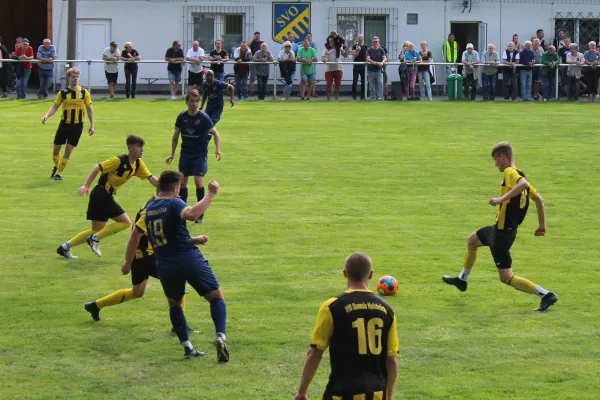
[[290, 17]]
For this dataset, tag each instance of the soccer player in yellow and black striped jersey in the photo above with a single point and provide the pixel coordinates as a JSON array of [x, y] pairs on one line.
[[74, 99], [513, 203], [116, 171], [360, 330], [140, 261]]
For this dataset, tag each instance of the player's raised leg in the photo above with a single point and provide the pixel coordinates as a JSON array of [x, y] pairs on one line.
[[460, 281], [507, 276]]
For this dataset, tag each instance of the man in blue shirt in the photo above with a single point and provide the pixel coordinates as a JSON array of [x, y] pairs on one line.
[[196, 129], [46, 54], [527, 60], [212, 89], [178, 260]]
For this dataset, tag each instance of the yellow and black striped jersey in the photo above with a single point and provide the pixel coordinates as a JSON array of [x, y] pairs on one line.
[[73, 104], [118, 170], [512, 212], [360, 330], [144, 248]]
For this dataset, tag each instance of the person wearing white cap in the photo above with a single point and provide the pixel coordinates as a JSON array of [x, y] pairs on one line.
[[470, 58]]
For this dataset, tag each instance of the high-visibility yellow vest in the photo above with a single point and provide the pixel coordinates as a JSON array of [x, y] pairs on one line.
[[451, 52]]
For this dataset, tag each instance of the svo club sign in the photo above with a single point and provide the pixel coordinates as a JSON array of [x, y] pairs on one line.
[[290, 17]]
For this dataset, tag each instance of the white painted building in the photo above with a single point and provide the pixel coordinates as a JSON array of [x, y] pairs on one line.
[[152, 25]]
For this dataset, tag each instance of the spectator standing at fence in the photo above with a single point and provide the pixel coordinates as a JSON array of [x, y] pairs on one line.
[[254, 48], [111, 68], [559, 42], [375, 59], [46, 54], [220, 56], [359, 54], [384, 73], [5, 54], [539, 35], [130, 56], [175, 57], [575, 60], [450, 53], [551, 62], [194, 57], [562, 53], [490, 59], [312, 44], [25, 53], [470, 59], [306, 56], [242, 70], [510, 60], [538, 52], [527, 60], [287, 63], [518, 46], [412, 58], [333, 67], [423, 74], [313, 86], [264, 57], [592, 58], [292, 39]]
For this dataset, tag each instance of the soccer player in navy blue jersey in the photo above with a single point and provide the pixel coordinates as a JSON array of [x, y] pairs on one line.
[[212, 90], [195, 128], [178, 259]]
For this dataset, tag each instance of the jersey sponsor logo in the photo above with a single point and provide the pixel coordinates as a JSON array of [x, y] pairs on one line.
[[290, 17], [197, 122]]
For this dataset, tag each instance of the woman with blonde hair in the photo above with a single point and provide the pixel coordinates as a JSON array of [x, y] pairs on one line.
[[423, 75], [130, 56], [411, 57]]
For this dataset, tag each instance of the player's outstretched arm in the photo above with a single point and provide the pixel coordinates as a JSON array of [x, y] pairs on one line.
[[311, 365], [50, 112], [521, 185], [231, 90], [90, 113], [174, 142], [202, 239], [153, 180], [541, 212], [194, 212], [132, 245], [217, 137], [86, 186], [392, 375]]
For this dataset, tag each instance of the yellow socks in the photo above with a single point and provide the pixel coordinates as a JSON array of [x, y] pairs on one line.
[[111, 229], [522, 284], [118, 297], [80, 238], [56, 159], [470, 257], [63, 163]]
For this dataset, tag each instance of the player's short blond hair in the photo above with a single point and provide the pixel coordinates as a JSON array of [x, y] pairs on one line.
[[72, 71], [358, 267], [502, 148]]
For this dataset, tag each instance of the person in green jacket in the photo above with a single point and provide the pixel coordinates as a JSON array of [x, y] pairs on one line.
[[551, 61]]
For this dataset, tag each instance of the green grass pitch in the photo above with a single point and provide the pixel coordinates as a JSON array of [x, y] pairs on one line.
[[302, 186]]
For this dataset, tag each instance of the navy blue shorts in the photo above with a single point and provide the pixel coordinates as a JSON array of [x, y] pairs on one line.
[[193, 269], [214, 114], [193, 164]]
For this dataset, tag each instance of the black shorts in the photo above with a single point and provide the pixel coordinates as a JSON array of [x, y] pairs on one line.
[[499, 242], [536, 75], [111, 77], [68, 133], [142, 268], [102, 205], [195, 79]]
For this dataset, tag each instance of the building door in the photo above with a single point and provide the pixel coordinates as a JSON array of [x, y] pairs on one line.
[[93, 36], [465, 33]]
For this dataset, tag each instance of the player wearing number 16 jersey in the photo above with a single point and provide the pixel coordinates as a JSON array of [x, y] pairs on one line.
[[178, 260], [360, 330], [513, 203]]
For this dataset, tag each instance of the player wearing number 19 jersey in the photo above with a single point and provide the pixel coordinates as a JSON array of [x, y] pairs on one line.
[[513, 203], [178, 260], [360, 330]]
